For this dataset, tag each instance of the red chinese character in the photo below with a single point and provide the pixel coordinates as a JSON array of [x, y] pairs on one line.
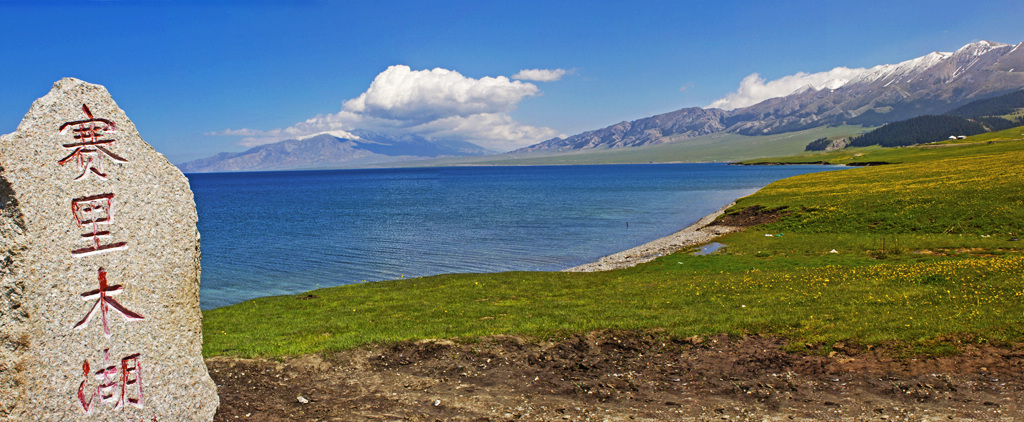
[[89, 145], [131, 381], [104, 301], [93, 211], [110, 380]]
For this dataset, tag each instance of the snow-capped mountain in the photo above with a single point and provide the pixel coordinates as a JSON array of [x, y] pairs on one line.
[[931, 84], [946, 66], [334, 149]]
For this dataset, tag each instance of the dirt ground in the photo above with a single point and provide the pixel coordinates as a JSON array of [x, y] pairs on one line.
[[622, 376], [750, 216]]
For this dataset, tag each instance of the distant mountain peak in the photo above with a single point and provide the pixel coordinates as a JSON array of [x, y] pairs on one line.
[[981, 47], [335, 133], [333, 149], [804, 89], [834, 84]]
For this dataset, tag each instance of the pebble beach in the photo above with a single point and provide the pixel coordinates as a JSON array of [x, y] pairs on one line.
[[695, 234]]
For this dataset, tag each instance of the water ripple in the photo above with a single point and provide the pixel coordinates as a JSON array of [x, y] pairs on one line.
[[275, 233]]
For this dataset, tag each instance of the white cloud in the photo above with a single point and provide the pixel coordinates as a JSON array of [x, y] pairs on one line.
[[254, 137], [541, 75], [235, 132], [490, 130], [438, 103], [754, 89], [401, 93]]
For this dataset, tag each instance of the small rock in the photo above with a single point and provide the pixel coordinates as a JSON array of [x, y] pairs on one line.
[[437, 403], [302, 400]]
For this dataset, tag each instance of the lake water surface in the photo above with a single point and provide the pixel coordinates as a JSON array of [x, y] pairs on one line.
[[272, 233]]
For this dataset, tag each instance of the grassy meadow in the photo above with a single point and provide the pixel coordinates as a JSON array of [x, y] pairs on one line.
[[716, 147], [926, 152], [923, 253]]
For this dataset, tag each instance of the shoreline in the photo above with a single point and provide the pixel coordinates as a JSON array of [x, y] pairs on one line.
[[694, 234]]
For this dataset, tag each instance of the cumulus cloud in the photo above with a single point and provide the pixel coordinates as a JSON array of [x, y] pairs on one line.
[[541, 75], [404, 94], [754, 89], [437, 103], [489, 130]]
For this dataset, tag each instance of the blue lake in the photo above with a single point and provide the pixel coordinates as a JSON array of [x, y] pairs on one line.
[[272, 233]]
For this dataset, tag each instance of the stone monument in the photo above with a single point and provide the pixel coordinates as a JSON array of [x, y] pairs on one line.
[[99, 285]]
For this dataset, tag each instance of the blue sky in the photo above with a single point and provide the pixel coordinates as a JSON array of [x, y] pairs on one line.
[[201, 77]]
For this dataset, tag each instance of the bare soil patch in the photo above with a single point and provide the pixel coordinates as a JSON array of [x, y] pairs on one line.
[[750, 216], [622, 376]]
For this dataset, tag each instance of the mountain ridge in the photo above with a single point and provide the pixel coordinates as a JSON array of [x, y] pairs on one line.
[[334, 149], [931, 84]]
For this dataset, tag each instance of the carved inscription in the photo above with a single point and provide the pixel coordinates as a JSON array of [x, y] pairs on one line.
[[104, 297], [115, 383], [89, 147], [91, 212]]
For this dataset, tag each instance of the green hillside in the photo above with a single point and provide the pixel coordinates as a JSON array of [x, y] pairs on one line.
[[977, 117], [717, 147], [923, 253], [969, 146]]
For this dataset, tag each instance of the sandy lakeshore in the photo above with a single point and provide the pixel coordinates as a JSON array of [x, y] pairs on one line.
[[694, 234]]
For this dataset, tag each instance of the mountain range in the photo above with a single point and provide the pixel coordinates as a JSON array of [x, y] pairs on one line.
[[931, 84], [332, 150]]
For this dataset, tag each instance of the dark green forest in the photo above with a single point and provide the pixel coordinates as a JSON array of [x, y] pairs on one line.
[[971, 119], [919, 130], [818, 144], [997, 106]]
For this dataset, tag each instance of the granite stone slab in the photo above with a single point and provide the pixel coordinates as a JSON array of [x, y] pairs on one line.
[[99, 286]]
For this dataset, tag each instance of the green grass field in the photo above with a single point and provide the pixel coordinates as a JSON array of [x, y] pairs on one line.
[[924, 256], [926, 152]]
